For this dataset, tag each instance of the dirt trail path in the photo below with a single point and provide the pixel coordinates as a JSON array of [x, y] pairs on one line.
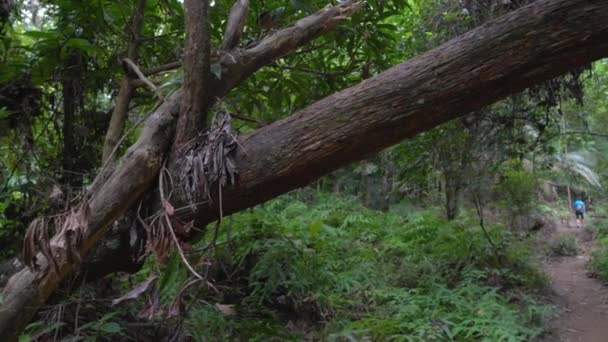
[[582, 301]]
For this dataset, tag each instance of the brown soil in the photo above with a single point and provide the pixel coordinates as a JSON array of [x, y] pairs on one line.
[[582, 302]]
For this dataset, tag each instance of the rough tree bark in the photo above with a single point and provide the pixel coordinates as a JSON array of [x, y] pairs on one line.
[[502, 57], [197, 52]]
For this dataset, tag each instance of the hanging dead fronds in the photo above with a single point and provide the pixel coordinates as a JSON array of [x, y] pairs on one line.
[[165, 227], [68, 227], [209, 163], [37, 241], [210, 160]]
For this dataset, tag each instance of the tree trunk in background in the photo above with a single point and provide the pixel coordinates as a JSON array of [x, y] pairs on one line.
[[568, 190], [500, 58], [388, 171], [366, 181], [452, 195], [72, 103], [68, 129], [6, 7], [336, 181], [365, 184]]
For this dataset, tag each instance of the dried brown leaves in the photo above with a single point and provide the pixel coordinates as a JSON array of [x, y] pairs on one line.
[[68, 228], [165, 229], [137, 290], [210, 161]]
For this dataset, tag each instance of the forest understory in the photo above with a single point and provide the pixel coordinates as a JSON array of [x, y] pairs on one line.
[[319, 266]]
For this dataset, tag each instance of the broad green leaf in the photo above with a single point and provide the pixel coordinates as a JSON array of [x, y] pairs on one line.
[[25, 338], [109, 327], [315, 228], [82, 45], [42, 34], [216, 70]]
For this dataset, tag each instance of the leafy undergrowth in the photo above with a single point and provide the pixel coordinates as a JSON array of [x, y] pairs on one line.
[[598, 265], [333, 270], [564, 245]]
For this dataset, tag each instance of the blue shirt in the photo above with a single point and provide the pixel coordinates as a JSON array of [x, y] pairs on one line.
[[580, 203]]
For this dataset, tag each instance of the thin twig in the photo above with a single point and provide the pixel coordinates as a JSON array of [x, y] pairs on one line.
[[479, 210], [78, 304], [58, 323], [248, 119]]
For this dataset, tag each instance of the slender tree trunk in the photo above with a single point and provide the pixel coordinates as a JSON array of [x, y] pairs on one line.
[[126, 90], [505, 56], [365, 184], [452, 196], [73, 94], [568, 191], [388, 170], [366, 179], [335, 181], [69, 108]]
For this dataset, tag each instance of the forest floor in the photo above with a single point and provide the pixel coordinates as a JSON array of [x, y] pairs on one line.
[[582, 302]]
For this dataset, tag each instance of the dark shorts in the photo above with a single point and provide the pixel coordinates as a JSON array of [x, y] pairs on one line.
[[580, 214]]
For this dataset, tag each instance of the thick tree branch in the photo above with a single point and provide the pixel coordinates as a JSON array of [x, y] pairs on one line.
[[239, 64], [236, 23], [502, 57]]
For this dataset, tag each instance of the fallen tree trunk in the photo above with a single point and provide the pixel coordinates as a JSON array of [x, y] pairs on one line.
[[502, 57], [528, 46]]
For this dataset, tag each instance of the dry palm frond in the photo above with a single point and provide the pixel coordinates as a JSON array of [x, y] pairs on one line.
[[210, 160], [68, 228]]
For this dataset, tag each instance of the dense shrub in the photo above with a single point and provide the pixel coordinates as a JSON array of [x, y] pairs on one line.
[[564, 245], [598, 264]]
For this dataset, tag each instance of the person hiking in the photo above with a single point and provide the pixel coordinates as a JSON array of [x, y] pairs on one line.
[[579, 210]]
